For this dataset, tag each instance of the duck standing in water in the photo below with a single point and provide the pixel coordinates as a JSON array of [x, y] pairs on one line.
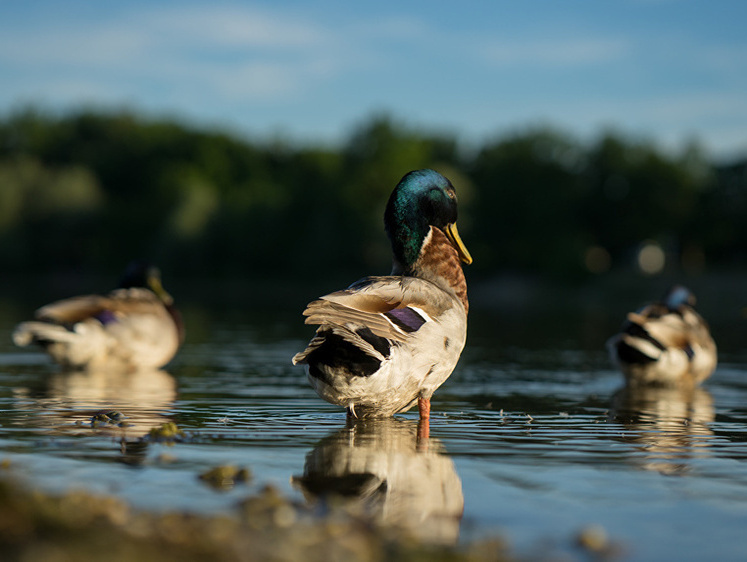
[[388, 342], [133, 327], [665, 343]]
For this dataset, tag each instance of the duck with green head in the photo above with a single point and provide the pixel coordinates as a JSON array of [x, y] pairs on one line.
[[388, 342], [133, 327]]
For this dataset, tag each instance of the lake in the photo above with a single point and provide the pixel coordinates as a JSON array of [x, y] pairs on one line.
[[532, 439]]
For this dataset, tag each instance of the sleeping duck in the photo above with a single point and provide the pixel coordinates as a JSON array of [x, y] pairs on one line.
[[388, 342], [665, 343], [133, 327]]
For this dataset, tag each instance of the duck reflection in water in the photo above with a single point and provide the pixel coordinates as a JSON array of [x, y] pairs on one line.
[[670, 424], [383, 467], [126, 405]]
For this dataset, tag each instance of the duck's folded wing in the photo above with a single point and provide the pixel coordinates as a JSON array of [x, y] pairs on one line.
[[106, 308], [323, 311], [668, 331], [72, 310], [390, 307], [395, 291]]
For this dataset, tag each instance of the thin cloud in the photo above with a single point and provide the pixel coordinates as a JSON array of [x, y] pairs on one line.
[[75, 46], [216, 27], [556, 53], [223, 50]]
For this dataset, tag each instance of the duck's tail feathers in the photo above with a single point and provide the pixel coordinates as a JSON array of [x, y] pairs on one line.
[[636, 351], [42, 333], [363, 339]]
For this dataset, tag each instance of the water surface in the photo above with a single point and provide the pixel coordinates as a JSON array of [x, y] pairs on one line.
[[532, 438]]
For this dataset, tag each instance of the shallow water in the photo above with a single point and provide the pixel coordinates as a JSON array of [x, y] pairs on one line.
[[531, 439]]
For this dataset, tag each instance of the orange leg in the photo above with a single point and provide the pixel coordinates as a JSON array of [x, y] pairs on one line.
[[424, 407]]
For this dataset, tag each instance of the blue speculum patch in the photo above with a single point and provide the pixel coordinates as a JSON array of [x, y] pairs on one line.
[[406, 318], [106, 317]]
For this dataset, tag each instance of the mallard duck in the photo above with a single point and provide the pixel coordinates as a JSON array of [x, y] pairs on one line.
[[388, 342], [665, 343], [135, 326]]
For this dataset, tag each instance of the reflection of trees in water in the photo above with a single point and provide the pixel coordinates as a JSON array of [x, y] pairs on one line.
[[671, 425], [143, 398], [383, 467]]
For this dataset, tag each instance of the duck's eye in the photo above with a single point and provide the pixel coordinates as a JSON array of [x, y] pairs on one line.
[[438, 195]]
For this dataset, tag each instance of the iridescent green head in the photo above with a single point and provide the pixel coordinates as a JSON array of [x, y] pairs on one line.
[[423, 198]]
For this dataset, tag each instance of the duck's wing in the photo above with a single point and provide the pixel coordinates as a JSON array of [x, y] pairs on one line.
[[106, 308], [658, 330], [698, 326], [668, 330], [374, 313], [72, 310], [391, 307]]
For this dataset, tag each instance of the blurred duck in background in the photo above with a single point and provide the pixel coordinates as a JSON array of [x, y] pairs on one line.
[[133, 327], [665, 343]]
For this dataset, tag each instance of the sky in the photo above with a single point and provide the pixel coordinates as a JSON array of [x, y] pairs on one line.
[[669, 71]]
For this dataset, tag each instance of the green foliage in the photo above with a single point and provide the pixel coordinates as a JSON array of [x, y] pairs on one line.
[[529, 202], [46, 211], [92, 190]]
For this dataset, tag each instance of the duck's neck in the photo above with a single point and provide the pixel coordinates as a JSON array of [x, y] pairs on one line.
[[439, 263], [176, 316]]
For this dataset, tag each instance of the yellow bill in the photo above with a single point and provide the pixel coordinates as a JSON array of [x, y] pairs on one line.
[[154, 282], [453, 235]]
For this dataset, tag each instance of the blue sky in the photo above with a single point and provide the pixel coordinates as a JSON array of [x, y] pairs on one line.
[[667, 70]]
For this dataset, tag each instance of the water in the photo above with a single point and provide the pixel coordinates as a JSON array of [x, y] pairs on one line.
[[532, 438]]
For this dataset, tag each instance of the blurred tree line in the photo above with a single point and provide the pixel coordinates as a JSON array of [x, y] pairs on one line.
[[92, 190]]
